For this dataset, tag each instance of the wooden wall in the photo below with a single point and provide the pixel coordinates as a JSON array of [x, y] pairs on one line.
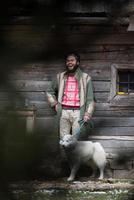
[[99, 45]]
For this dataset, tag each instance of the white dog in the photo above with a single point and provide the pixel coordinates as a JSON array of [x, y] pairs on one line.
[[78, 152]]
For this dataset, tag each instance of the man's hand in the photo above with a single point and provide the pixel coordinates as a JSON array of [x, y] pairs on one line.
[[56, 107], [86, 117]]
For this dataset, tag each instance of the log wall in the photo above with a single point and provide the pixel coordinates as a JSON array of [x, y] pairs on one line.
[[99, 46]]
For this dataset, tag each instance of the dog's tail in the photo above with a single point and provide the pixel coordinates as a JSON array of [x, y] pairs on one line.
[[99, 156]]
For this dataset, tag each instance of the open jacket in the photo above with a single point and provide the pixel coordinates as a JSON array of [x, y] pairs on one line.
[[56, 91]]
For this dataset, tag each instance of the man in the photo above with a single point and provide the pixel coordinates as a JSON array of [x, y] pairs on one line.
[[71, 95]]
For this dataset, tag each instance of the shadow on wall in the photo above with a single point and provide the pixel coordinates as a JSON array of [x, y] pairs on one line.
[[22, 154]]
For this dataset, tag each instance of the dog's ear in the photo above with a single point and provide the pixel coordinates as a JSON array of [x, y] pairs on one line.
[[74, 138], [61, 142]]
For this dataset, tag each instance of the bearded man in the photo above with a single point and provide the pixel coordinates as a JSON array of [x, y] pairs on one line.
[[71, 95]]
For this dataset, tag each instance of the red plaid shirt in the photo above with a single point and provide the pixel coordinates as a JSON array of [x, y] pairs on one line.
[[71, 93]]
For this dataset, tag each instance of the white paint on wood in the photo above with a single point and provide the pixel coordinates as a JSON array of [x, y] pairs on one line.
[[30, 124], [124, 138]]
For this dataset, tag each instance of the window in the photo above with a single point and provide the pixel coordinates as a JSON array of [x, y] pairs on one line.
[[125, 83], [122, 85]]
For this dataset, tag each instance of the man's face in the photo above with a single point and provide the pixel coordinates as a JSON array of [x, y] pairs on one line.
[[71, 63]]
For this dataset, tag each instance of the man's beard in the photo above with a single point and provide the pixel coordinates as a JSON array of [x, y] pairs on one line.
[[72, 70]]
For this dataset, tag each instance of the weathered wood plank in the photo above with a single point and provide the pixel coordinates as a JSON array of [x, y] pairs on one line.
[[32, 40], [123, 101], [39, 86], [115, 138], [74, 39], [4, 96], [35, 96], [97, 20], [125, 174], [97, 70], [98, 106], [39, 99], [106, 125], [39, 71], [46, 125], [101, 86], [114, 113], [30, 86], [100, 131], [101, 97], [86, 39], [106, 107], [117, 56], [117, 144], [114, 121], [111, 145], [45, 72], [43, 110], [81, 25], [112, 131], [116, 165], [118, 151], [110, 121]]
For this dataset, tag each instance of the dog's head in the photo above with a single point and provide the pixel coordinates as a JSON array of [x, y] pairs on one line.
[[68, 141]]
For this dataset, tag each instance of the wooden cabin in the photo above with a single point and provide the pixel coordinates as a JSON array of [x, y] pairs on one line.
[[33, 49]]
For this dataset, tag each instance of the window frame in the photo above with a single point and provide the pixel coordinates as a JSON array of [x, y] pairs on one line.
[[125, 100], [127, 83]]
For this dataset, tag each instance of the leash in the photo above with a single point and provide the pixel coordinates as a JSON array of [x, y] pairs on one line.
[[81, 122]]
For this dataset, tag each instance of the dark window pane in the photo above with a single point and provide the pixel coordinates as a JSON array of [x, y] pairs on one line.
[[123, 87], [123, 76], [126, 81], [131, 76], [131, 87]]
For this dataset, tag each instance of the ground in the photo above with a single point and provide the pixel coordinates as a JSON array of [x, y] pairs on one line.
[[82, 184]]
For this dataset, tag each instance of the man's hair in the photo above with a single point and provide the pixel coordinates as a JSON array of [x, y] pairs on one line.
[[77, 56]]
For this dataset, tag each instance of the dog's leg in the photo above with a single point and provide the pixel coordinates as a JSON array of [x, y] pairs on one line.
[[99, 158], [74, 170], [101, 169]]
